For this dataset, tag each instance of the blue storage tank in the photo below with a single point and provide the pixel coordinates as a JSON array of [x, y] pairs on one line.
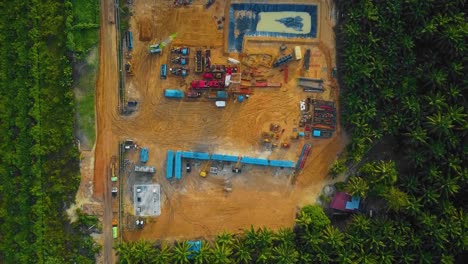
[[282, 163], [178, 165], [240, 98], [196, 155], [221, 157], [254, 161], [170, 164], [301, 134], [144, 152]]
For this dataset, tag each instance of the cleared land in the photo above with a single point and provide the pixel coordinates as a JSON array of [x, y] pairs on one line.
[[198, 207]]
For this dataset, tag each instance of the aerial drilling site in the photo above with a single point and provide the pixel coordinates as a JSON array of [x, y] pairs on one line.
[[221, 115]]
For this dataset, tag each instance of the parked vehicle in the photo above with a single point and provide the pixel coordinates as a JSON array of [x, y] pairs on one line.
[[181, 50], [199, 61], [207, 59], [179, 71], [163, 73], [193, 94], [180, 60], [115, 229], [188, 168]]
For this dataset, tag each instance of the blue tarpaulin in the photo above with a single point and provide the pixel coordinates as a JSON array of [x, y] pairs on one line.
[[316, 133], [244, 19], [353, 204], [221, 157], [282, 163], [178, 165], [196, 155], [170, 164], [254, 161], [194, 248]]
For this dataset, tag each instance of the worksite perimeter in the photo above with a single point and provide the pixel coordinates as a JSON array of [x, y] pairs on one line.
[[199, 207]]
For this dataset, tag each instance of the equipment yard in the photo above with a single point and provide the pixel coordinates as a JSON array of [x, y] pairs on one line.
[[218, 106]]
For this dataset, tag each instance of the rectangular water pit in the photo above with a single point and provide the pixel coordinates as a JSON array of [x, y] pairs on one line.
[[270, 20]]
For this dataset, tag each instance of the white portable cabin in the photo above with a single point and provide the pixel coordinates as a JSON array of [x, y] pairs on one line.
[[220, 104], [297, 52]]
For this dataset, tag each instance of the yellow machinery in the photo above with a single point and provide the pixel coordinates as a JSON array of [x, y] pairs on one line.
[[129, 68], [205, 169], [237, 168]]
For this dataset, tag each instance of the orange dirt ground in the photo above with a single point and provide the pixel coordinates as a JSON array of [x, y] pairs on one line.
[[144, 27], [198, 207]]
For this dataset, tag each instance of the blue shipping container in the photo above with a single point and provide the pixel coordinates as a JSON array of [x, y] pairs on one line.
[[196, 155], [254, 161], [221, 157], [130, 40], [163, 71], [144, 152], [178, 165], [173, 93], [282, 163], [170, 164]]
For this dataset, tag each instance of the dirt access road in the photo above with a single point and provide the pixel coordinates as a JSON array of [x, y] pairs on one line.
[[193, 209], [106, 112]]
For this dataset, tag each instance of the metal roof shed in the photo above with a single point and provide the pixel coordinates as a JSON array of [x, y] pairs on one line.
[[282, 163], [254, 161], [221, 157], [344, 202]]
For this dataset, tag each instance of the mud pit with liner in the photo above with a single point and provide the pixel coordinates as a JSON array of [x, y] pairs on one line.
[[195, 206]]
